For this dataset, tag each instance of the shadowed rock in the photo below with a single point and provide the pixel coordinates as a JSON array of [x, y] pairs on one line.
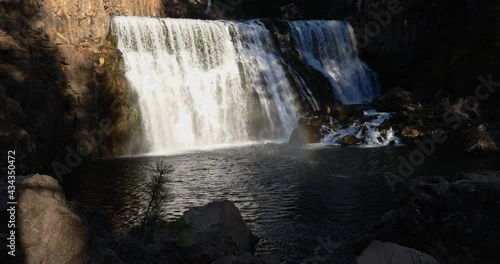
[[349, 140], [390, 253], [305, 135], [213, 231], [394, 101], [456, 220]]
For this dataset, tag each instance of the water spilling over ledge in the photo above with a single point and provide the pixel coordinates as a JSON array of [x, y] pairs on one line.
[[330, 48], [204, 83]]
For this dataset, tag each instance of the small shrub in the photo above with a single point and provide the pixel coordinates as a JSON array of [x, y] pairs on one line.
[[157, 194]]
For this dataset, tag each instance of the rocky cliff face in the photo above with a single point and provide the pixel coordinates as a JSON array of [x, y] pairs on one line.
[[62, 77]]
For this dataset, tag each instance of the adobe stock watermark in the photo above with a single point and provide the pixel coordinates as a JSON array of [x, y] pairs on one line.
[[93, 139], [427, 147], [86, 146], [373, 28], [323, 251]]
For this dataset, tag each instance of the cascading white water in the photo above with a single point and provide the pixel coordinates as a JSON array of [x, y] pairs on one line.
[[203, 83], [367, 130], [330, 47]]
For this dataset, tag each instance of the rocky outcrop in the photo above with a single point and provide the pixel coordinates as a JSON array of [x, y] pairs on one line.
[[455, 220], [306, 134], [62, 76], [481, 141], [215, 221], [215, 232], [390, 253], [396, 100], [53, 230], [49, 231], [349, 140]]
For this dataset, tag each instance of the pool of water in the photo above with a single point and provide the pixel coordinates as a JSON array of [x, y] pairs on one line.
[[291, 197]]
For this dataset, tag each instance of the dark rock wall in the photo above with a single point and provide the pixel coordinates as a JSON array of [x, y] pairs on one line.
[[63, 77], [434, 46]]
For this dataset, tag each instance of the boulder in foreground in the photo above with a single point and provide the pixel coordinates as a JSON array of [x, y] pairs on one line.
[[49, 231], [454, 219], [391, 253], [209, 233]]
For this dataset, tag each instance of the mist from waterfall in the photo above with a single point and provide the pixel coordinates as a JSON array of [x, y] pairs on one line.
[[330, 48], [203, 83]]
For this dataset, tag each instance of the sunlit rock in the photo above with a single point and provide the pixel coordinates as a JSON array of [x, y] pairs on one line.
[[49, 230]]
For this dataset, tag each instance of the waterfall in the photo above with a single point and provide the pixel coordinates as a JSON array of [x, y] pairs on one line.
[[330, 47], [208, 83], [204, 83]]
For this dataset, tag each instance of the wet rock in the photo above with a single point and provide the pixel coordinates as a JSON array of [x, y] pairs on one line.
[[349, 140], [305, 135], [327, 119], [391, 253], [346, 120], [316, 122], [482, 141], [49, 230], [350, 110], [410, 133]]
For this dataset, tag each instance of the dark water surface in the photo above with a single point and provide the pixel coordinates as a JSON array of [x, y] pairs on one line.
[[291, 197]]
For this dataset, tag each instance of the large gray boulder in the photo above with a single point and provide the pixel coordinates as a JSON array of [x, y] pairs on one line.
[[391, 253], [49, 231], [209, 233]]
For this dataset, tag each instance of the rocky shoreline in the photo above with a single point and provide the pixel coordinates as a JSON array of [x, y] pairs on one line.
[[447, 220], [468, 125], [55, 230], [453, 219]]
